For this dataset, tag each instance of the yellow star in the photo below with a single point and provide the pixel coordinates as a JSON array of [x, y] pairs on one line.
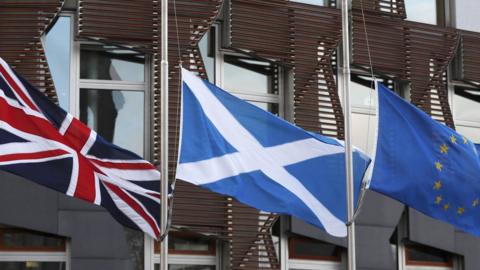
[[476, 202], [443, 149], [437, 185], [446, 206], [438, 165], [460, 210], [453, 139], [438, 199], [465, 140]]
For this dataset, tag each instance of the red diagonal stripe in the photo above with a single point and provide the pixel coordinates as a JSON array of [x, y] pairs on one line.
[[77, 134], [17, 88], [37, 155], [124, 165], [85, 188], [135, 206]]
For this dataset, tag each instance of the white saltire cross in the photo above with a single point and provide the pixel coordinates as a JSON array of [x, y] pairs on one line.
[[252, 156]]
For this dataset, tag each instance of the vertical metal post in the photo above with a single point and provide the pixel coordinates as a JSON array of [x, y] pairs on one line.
[[345, 85], [164, 134]]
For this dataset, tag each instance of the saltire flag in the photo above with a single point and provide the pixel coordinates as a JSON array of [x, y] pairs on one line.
[[425, 164], [234, 148], [42, 143]]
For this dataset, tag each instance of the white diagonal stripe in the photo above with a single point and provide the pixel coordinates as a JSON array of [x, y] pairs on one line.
[[253, 153]]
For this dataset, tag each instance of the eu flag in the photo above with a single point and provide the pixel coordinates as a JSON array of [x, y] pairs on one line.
[[425, 164]]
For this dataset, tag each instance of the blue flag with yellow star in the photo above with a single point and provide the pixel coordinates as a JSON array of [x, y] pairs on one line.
[[425, 164]]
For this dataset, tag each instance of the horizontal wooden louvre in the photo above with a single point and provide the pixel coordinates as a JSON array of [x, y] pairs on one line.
[[261, 27], [130, 23], [21, 25], [409, 51], [386, 39], [316, 32], [469, 58], [429, 50]]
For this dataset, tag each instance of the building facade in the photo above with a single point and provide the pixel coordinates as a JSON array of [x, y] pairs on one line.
[[99, 60]]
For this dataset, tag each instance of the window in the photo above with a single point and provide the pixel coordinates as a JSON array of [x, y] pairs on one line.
[[23, 249], [189, 251], [253, 80], [466, 105], [306, 253], [314, 2], [58, 47], [112, 93], [418, 255], [362, 94], [426, 11], [466, 15]]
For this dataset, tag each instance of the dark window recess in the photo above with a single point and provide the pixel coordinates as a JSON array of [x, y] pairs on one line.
[[24, 240], [427, 256], [310, 249], [32, 265], [468, 93], [189, 244]]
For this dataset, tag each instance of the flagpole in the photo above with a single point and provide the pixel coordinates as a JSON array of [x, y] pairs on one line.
[[164, 135], [345, 85]]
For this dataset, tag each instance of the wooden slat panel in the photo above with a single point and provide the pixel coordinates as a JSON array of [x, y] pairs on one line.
[[22, 24]]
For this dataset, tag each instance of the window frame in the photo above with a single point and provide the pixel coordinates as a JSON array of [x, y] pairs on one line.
[[77, 84]]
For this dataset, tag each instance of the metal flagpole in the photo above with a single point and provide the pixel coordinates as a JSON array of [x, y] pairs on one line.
[[164, 135], [348, 136]]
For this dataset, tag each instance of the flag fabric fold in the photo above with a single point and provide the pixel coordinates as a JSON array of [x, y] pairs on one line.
[[42, 143], [232, 147], [425, 164]]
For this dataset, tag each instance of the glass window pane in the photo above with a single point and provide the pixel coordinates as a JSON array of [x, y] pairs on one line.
[[118, 116], [362, 95], [104, 62], [424, 11], [269, 107], [187, 267], [422, 255], [305, 248], [466, 104], [467, 15], [57, 50], [189, 243], [313, 2], [207, 51], [32, 265], [243, 74], [23, 240]]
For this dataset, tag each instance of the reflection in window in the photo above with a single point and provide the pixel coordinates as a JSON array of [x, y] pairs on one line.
[[424, 11], [207, 50], [187, 267], [104, 62], [362, 90], [467, 15], [427, 256], [313, 2], [243, 74], [267, 106], [310, 249], [466, 104], [32, 265], [116, 115], [24, 240], [189, 243], [57, 50]]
